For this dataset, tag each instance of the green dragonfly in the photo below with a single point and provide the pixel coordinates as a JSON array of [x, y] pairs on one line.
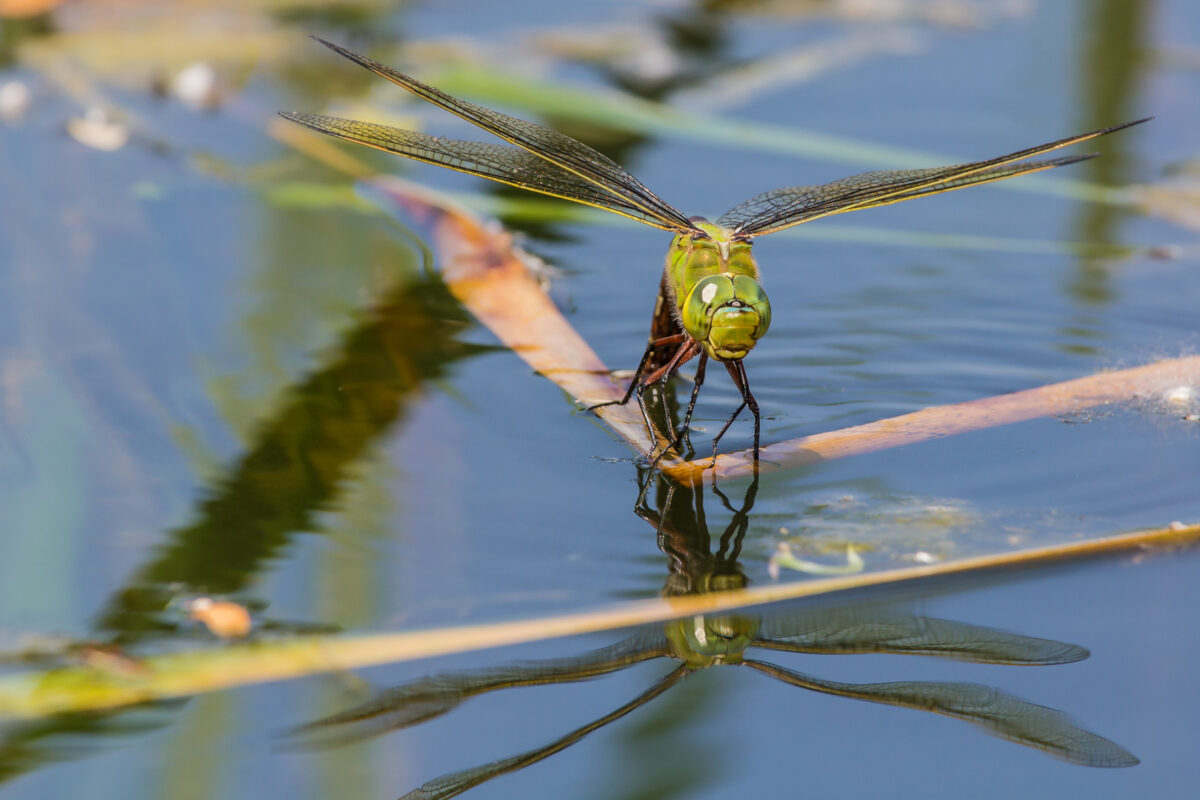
[[711, 303]]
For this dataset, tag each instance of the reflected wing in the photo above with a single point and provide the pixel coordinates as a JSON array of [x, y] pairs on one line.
[[456, 783], [577, 159], [871, 630], [435, 695], [997, 713], [782, 208]]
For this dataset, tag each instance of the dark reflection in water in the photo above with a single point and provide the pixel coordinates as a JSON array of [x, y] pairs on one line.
[[294, 469], [1113, 58], [704, 641], [299, 459]]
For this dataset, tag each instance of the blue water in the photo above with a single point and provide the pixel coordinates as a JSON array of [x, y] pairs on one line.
[[213, 382]]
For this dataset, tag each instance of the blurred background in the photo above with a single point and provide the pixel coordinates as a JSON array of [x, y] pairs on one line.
[[226, 370]]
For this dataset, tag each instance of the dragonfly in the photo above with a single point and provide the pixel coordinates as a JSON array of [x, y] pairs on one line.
[[711, 303]]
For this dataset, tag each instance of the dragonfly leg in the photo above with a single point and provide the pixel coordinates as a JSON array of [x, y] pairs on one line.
[[650, 427], [737, 371], [731, 541], [638, 382], [686, 352], [699, 380]]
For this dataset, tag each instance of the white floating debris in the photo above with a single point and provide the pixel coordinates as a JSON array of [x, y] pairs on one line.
[[924, 557], [1180, 395], [785, 559], [15, 98], [196, 85], [98, 129]]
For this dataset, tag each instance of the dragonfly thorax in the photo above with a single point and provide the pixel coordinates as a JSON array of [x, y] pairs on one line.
[[718, 298]]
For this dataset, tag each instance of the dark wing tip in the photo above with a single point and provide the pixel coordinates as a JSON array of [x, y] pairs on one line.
[[1065, 160], [1123, 126], [300, 118], [337, 48], [350, 54]]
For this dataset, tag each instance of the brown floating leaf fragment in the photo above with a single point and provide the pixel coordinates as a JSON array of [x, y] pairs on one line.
[[226, 620]]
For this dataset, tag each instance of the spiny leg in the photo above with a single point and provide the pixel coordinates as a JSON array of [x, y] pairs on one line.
[[731, 541], [743, 384], [637, 382], [686, 352], [737, 371], [687, 417], [651, 428]]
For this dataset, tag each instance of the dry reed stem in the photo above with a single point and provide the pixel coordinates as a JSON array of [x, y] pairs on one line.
[[1152, 381], [491, 277], [90, 688]]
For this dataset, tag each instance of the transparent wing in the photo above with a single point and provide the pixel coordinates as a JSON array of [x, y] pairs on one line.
[[432, 696], [999, 714], [545, 143], [498, 162], [782, 208], [456, 783], [870, 630]]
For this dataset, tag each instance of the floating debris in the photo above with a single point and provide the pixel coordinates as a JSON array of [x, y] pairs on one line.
[[196, 85], [98, 129], [1180, 396], [225, 619], [1165, 252], [15, 99], [785, 559]]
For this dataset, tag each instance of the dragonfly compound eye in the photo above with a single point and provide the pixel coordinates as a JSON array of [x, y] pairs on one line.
[[702, 641], [727, 314]]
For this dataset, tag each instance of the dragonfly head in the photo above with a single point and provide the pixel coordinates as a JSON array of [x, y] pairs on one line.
[[727, 313], [705, 640]]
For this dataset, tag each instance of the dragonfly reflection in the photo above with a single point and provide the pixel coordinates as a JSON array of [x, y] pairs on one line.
[[703, 641]]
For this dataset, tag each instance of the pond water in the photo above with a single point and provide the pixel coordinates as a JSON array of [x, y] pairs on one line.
[[222, 371]]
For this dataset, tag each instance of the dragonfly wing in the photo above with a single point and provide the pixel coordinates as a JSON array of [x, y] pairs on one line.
[[868, 630], [998, 713], [498, 162], [546, 143], [782, 208], [421, 700]]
